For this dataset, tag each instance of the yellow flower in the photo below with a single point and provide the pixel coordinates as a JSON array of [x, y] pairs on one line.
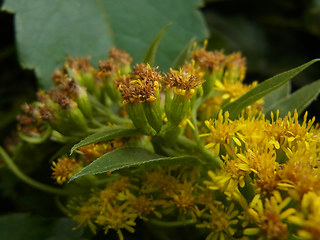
[[64, 169], [182, 82], [93, 151], [160, 181], [269, 216], [222, 132], [117, 217], [309, 218], [300, 174], [85, 213], [183, 196], [220, 220]]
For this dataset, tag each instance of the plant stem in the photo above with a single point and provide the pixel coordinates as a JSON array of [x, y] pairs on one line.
[[61, 207], [14, 168], [192, 145]]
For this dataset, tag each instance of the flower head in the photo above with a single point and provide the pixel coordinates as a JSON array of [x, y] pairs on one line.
[[141, 85], [64, 169], [182, 82], [207, 60]]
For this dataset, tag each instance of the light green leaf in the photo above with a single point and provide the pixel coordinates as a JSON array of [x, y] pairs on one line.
[[129, 157], [48, 31], [299, 100], [277, 95], [105, 135], [151, 53], [263, 89]]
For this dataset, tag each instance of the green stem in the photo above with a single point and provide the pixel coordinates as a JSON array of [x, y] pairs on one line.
[[29, 180], [187, 143], [61, 207], [172, 224], [107, 113]]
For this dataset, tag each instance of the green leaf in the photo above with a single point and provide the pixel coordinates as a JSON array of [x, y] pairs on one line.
[[277, 95], [65, 229], [151, 53], [184, 55], [263, 89], [105, 135], [129, 157], [299, 100], [48, 31]]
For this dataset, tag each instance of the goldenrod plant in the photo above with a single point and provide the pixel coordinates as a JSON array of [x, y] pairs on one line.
[[193, 148]]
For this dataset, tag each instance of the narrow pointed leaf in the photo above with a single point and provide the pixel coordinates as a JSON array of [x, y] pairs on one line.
[[150, 56], [183, 55], [263, 89], [277, 95], [105, 135], [130, 157], [299, 100]]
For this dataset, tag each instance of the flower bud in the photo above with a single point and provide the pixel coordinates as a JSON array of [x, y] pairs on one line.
[[235, 69], [62, 113], [140, 91], [180, 87], [81, 70], [136, 113], [117, 64], [212, 64], [76, 92]]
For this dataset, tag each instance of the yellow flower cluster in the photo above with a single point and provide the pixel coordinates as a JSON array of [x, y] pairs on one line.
[[277, 157]]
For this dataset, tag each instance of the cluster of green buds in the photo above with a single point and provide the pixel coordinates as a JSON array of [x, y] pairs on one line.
[[66, 107], [85, 98], [117, 64], [80, 100], [141, 96]]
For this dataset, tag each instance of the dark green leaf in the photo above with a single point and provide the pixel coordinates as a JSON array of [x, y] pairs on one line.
[[23, 226], [299, 100], [48, 31], [105, 135], [63, 229], [129, 157], [263, 89], [151, 53]]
